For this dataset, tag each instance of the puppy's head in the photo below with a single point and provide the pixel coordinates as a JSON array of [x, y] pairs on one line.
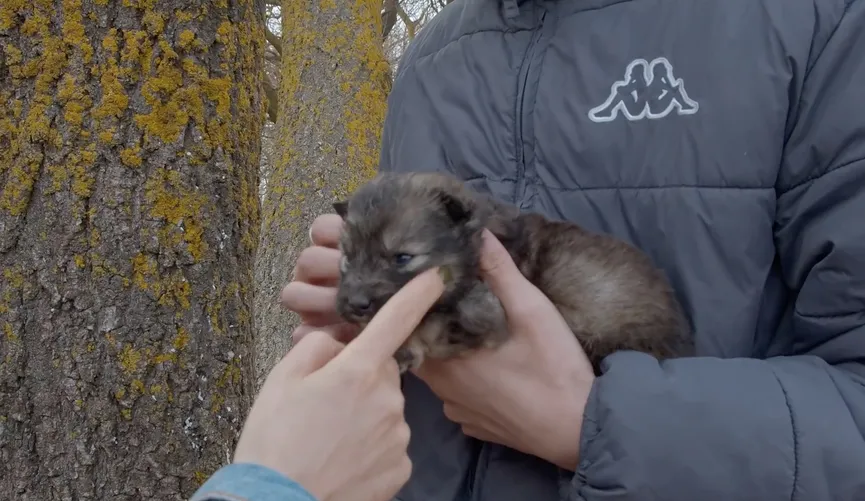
[[399, 225]]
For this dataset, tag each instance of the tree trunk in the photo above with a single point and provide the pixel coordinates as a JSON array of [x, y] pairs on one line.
[[128, 224], [332, 101]]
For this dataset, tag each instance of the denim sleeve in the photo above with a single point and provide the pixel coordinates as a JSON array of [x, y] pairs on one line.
[[250, 482]]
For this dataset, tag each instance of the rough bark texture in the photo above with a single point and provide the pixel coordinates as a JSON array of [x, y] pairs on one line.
[[332, 102], [128, 223]]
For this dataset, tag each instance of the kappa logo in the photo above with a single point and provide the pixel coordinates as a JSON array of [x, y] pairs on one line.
[[649, 90]]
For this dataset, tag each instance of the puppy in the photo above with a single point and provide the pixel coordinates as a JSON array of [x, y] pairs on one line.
[[400, 224]]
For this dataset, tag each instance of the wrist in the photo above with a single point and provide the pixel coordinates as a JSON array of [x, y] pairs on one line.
[[569, 407], [312, 483]]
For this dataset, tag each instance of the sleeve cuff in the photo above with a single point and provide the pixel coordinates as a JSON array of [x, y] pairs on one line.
[[647, 426], [250, 482]]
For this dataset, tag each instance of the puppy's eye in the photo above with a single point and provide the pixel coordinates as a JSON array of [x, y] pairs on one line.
[[402, 259]]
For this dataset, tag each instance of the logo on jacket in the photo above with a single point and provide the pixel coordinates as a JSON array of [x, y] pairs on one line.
[[649, 90]]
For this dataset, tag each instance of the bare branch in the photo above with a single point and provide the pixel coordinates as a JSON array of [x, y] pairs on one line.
[[272, 56], [274, 40], [272, 99], [410, 26], [388, 17]]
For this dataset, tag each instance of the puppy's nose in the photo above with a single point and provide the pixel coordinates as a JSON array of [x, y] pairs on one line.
[[359, 304]]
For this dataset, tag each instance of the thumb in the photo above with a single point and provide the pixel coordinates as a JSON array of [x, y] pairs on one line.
[[500, 273], [310, 354]]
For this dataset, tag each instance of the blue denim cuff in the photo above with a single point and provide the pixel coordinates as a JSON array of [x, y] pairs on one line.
[[250, 482]]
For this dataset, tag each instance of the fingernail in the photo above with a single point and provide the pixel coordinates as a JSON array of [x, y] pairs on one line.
[[445, 274]]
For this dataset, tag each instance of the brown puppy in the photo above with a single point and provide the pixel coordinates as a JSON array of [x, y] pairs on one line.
[[399, 225]]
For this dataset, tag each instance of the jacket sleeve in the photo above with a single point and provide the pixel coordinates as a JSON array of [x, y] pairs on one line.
[[250, 482], [788, 427]]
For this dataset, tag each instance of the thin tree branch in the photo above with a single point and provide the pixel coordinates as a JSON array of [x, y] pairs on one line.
[[272, 56], [272, 99], [410, 26], [274, 40], [388, 17]]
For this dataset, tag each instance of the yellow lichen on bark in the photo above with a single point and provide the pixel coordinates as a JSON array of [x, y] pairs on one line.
[[357, 89], [128, 224], [332, 99], [24, 137], [181, 207]]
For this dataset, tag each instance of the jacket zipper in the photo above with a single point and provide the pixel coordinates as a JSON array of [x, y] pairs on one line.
[[472, 473], [520, 185], [519, 192]]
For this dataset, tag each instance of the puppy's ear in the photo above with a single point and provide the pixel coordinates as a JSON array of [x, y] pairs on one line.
[[458, 210], [341, 207]]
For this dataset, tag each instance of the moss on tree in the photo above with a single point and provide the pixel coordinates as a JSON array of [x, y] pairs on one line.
[[332, 103], [129, 218]]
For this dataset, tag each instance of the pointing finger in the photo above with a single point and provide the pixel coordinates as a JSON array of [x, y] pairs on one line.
[[396, 320]]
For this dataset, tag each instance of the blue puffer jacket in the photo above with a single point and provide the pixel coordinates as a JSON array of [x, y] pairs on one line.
[[726, 138]]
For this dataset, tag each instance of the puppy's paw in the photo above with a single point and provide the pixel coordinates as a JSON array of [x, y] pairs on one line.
[[407, 359], [404, 359]]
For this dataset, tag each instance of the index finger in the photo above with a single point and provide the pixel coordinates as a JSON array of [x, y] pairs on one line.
[[396, 320]]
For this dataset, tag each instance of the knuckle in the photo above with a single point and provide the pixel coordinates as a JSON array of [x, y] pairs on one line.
[[319, 223], [319, 220], [403, 434], [405, 469], [396, 402], [345, 332], [287, 295], [449, 413], [495, 261], [314, 337], [324, 341], [324, 226], [306, 257], [299, 334], [295, 291], [318, 336]]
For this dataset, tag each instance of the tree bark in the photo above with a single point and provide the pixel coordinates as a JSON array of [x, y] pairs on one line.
[[333, 92], [128, 223]]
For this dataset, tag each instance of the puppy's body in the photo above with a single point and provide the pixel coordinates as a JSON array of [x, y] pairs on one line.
[[398, 225]]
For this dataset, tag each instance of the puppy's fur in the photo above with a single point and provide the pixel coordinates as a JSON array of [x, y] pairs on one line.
[[399, 225]]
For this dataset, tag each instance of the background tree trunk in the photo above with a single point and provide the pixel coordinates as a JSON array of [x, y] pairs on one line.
[[332, 101], [129, 145]]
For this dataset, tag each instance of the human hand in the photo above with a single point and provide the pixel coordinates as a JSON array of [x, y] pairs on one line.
[[330, 416], [530, 393], [312, 292]]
